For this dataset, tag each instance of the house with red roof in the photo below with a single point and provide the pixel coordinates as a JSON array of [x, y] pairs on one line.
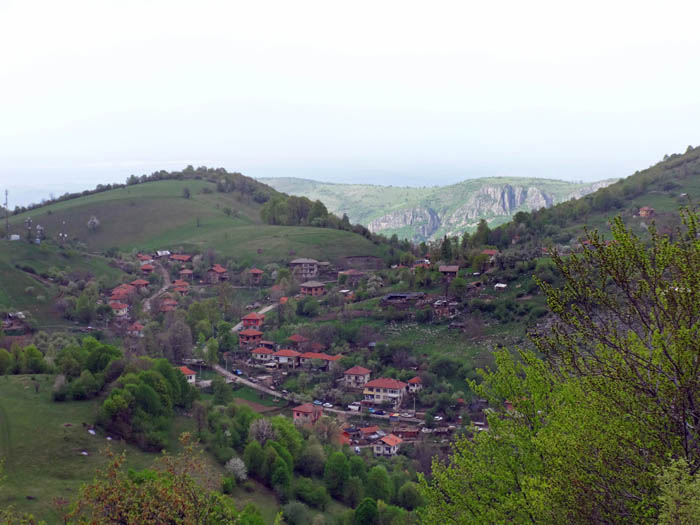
[[180, 257], [255, 275], [122, 292], [140, 283], [253, 320], [249, 337], [298, 341], [307, 358], [449, 271], [268, 344], [190, 375], [186, 274], [168, 304], [287, 358], [216, 274], [262, 353], [384, 391], [144, 258], [147, 268], [313, 288], [387, 446], [119, 309], [307, 414], [135, 329], [356, 377], [492, 254], [414, 384]]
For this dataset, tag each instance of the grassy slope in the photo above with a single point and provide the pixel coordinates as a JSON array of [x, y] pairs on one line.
[[15, 282], [154, 215]]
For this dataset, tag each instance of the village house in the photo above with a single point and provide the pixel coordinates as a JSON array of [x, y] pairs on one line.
[[147, 269], [401, 299], [135, 329], [387, 446], [407, 432], [144, 258], [298, 341], [445, 308], [326, 360], [304, 268], [384, 391], [492, 254], [287, 358], [255, 275], [449, 272], [307, 414], [415, 384], [140, 283], [356, 377], [253, 320], [500, 287], [369, 434], [249, 337], [120, 310], [162, 253], [186, 274], [122, 292], [180, 258], [268, 344], [313, 288], [182, 290], [647, 211], [216, 274], [262, 353], [190, 375], [348, 295]]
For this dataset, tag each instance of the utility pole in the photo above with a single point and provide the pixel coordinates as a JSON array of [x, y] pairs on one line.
[[7, 218]]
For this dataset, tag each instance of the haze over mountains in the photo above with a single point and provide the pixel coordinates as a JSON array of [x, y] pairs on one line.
[[429, 213]]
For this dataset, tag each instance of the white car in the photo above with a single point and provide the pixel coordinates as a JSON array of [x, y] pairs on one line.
[[327, 405], [438, 418]]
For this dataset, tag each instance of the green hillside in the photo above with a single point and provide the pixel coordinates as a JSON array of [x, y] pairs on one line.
[[430, 212], [155, 215]]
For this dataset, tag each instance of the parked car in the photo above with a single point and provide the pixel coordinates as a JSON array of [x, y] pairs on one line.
[[354, 408], [238, 372], [379, 412], [438, 418], [327, 405], [370, 410], [317, 402]]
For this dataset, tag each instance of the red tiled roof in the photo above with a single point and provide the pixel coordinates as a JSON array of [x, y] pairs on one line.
[[142, 257], [186, 271], [286, 352], [369, 430], [256, 271], [317, 347], [186, 371], [283, 300], [296, 338], [357, 371], [414, 381], [254, 316], [489, 252], [250, 332], [140, 282], [147, 268], [392, 440], [218, 269], [386, 382], [118, 306], [449, 268], [181, 289], [180, 257], [306, 408], [262, 350], [180, 282], [170, 301], [135, 327], [315, 355]]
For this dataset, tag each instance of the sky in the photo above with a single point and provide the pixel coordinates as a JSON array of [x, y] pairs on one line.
[[386, 92]]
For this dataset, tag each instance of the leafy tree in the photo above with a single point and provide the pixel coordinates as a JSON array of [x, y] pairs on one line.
[[254, 457], [409, 496], [366, 512], [680, 495], [6, 362], [288, 435], [312, 460], [379, 484], [222, 392], [458, 287], [33, 361], [296, 513], [358, 467], [336, 474], [354, 490]]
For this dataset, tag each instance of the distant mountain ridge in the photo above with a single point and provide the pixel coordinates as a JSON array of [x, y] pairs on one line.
[[428, 213]]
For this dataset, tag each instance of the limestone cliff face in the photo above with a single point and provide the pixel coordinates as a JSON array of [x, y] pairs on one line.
[[488, 201], [423, 221]]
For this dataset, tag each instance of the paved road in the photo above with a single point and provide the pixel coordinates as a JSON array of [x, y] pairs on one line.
[[166, 284]]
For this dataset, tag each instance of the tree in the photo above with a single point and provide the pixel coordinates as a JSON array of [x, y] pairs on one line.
[[379, 484], [222, 392], [169, 493], [312, 459], [254, 457], [354, 490], [6, 361], [261, 430], [409, 496], [613, 404], [366, 513], [236, 466], [458, 287], [336, 474]]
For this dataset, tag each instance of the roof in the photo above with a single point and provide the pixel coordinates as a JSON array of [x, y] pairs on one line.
[[312, 284], [489, 252], [284, 300], [142, 257], [180, 282], [254, 315], [180, 257], [296, 338], [135, 327], [250, 332], [392, 440], [449, 268], [307, 408], [386, 382], [186, 271], [218, 269], [369, 430], [186, 371], [302, 260], [286, 352], [414, 381], [148, 267], [118, 306], [357, 371], [262, 350], [320, 355], [256, 270], [140, 282]]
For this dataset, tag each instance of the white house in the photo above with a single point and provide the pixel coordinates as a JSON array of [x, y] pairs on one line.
[[189, 374], [387, 446]]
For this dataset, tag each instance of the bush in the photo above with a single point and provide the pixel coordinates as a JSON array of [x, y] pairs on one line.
[[227, 485], [296, 513], [310, 492]]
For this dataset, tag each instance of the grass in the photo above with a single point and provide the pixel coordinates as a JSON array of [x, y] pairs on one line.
[[154, 216], [247, 393]]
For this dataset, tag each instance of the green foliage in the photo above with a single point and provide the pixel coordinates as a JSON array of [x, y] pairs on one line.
[[379, 483], [336, 474], [409, 496], [680, 495], [366, 512], [311, 492], [296, 513], [254, 458], [288, 435]]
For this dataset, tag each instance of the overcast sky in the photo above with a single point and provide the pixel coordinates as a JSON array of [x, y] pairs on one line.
[[392, 92]]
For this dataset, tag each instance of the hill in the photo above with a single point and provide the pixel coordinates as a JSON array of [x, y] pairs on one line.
[[429, 213], [157, 215]]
